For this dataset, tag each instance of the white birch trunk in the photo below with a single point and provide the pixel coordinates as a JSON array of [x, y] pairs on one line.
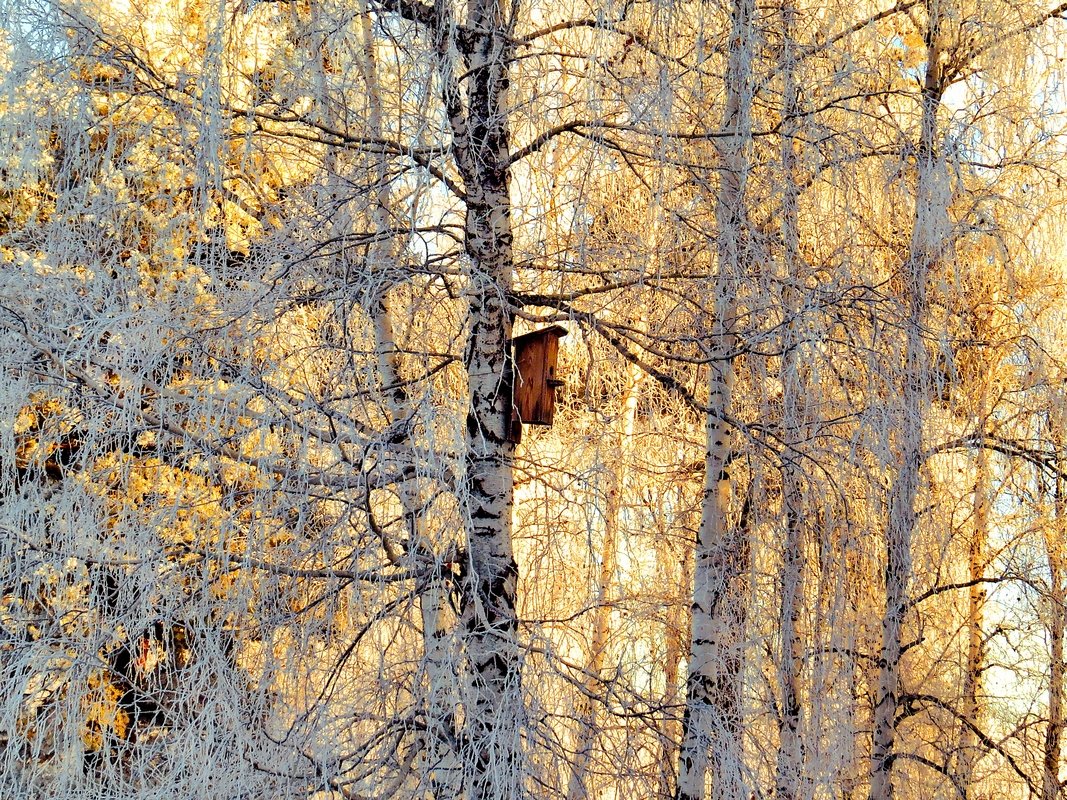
[[440, 760], [712, 720], [493, 705]]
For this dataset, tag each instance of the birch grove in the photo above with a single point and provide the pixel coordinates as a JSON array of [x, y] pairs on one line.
[[773, 508]]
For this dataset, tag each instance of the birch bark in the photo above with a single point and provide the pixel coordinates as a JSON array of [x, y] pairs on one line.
[[481, 146], [440, 762]]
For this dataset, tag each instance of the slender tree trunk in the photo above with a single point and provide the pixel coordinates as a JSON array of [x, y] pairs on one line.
[[790, 747], [712, 720], [835, 675], [440, 758], [579, 787], [675, 569], [1057, 562], [972, 674], [442, 768], [677, 635], [929, 234]]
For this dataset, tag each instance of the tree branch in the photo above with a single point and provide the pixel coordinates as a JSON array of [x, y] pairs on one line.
[[951, 587], [909, 701]]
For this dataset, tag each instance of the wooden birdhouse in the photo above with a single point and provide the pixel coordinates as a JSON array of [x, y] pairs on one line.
[[535, 378]]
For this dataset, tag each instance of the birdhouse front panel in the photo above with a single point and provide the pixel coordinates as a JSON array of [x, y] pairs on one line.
[[535, 379]]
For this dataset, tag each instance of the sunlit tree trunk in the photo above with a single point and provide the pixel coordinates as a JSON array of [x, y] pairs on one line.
[[928, 236], [790, 655], [580, 781], [1057, 622], [712, 721], [442, 770], [970, 707], [677, 637]]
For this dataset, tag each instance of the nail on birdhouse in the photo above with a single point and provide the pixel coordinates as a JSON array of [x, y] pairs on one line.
[[535, 378]]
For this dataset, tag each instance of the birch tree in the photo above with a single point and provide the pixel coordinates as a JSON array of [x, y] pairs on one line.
[[264, 527]]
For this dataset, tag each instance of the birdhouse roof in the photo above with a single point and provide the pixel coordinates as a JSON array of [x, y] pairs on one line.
[[555, 330]]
